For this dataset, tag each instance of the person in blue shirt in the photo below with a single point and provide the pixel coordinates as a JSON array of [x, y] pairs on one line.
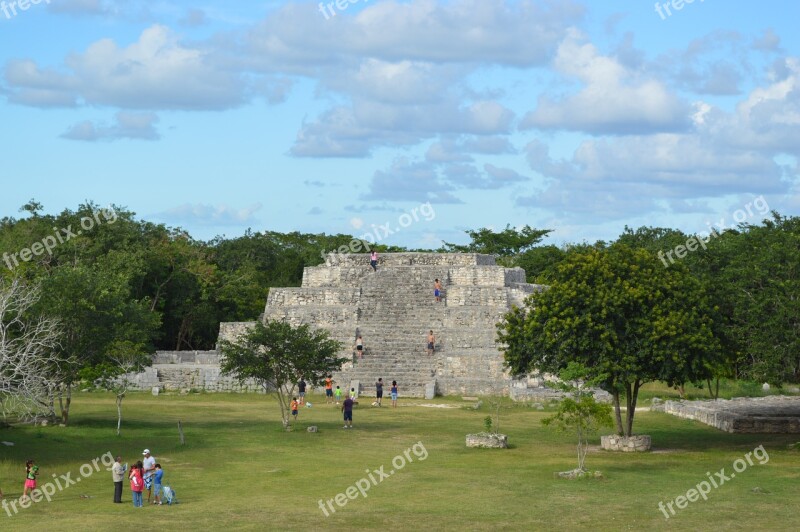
[[157, 480]]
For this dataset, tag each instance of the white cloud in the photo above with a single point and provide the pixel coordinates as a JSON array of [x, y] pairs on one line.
[[723, 154], [156, 72], [199, 214], [614, 99], [126, 125]]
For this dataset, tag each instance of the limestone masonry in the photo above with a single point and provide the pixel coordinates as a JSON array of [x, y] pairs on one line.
[[772, 414], [394, 308]]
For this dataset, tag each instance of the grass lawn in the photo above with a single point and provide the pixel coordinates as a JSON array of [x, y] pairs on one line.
[[240, 471]]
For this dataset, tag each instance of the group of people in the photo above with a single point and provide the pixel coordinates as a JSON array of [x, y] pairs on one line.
[[145, 474], [350, 398]]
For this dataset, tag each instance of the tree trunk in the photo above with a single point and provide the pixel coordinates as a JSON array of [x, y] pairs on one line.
[[617, 413], [632, 398], [65, 407], [628, 393], [582, 449], [119, 412]]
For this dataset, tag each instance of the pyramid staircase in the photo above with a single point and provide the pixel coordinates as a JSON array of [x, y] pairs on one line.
[[394, 308]]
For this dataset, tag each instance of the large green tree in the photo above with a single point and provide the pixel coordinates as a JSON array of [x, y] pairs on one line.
[[760, 282], [624, 316], [276, 355]]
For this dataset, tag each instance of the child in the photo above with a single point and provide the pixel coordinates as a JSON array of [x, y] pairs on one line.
[[354, 395], [394, 394], [31, 472], [294, 406], [157, 481], [338, 394]]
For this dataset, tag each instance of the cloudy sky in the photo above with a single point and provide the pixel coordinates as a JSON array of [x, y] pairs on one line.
[[426, 117]]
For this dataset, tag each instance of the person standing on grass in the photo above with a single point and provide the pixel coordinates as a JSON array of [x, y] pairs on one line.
[[329, 389], [379, 391], [118, 475], [373, 260], [137, 484], [338, 395], [301, 390], [347, 408], [294, 406], [158, 480], [437, 290], [431, 342], [148, 472], [31, 472], [394, 394]]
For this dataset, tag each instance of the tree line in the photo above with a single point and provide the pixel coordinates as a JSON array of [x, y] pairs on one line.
[[119, 286]]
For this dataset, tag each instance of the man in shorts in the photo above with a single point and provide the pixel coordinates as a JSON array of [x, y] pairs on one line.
[[431, 342], [347, 408], [379, 391], [437, 290], [301, 391], [149, 463]]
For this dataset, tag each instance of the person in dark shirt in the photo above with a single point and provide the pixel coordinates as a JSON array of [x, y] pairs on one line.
[[347, 408], [301, 390], [379, 391]]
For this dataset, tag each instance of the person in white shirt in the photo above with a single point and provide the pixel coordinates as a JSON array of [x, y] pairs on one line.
[[149, 463]]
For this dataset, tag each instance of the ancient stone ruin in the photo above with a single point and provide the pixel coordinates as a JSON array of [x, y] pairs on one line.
[[773, 414], [394, 309]]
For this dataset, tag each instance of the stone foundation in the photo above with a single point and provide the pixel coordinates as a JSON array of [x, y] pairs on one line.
[[755, 415], [626, 444], [188, 370]]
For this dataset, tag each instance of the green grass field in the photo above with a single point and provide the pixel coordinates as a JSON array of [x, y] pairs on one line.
[[239, 471]]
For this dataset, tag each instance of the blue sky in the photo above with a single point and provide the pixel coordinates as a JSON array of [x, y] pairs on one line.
[[580, 117]]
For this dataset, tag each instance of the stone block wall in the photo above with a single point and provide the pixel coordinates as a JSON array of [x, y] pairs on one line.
[[188, 370]]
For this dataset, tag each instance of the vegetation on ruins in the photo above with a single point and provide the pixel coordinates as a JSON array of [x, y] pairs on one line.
[[277, 355]]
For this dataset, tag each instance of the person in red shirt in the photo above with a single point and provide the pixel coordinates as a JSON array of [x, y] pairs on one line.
[[137, 484], [294, 407]]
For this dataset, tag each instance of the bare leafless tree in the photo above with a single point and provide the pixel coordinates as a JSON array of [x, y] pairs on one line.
[[29, 358]]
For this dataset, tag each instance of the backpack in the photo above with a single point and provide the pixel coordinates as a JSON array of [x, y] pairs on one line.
[[169, 495]]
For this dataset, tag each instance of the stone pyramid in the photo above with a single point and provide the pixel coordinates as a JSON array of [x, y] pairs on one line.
[[394, 308]]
